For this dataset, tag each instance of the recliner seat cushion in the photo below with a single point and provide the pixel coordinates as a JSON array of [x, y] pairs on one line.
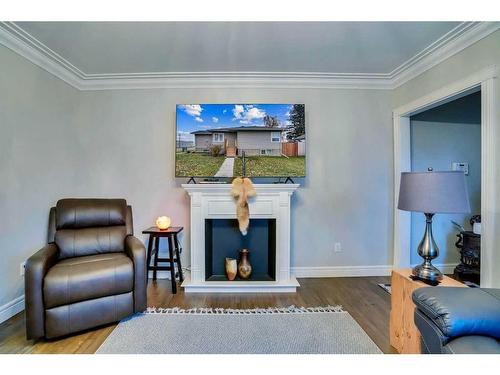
[[84, 278], [90, 241], [84, 213]]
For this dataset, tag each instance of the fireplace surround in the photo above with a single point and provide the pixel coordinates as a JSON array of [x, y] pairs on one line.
[[214, 234]]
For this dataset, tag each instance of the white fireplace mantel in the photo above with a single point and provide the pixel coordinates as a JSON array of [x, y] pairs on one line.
[[213, 201]]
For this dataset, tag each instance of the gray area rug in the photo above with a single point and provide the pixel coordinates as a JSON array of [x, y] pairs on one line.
[[292, 330]]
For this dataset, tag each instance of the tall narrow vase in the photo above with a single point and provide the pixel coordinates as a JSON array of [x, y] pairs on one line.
[[244, 267], [231, 268]]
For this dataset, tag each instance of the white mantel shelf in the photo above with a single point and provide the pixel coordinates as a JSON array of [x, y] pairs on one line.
[[213, 201]]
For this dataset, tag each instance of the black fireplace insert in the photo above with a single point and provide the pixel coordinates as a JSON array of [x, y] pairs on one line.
[[223, 239]]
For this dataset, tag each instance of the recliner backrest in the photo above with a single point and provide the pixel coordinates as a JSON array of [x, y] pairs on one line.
[[85, 213], [90, 226]]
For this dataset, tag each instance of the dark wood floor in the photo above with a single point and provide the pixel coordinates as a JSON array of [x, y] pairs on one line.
[[360, 296]]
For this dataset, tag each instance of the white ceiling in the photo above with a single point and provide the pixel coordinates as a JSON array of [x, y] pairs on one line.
[[95, 48]]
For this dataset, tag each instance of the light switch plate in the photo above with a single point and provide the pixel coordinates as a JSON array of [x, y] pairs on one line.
[[22, 267], [460, 166]]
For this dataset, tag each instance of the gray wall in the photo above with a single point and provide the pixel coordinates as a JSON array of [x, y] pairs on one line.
[[437, 145], [333, 204], [40, 153], [120, 144]]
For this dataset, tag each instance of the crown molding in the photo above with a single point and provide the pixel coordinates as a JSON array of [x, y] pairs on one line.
[[11, 37], [217, 80], [467, 33], [461, 37]]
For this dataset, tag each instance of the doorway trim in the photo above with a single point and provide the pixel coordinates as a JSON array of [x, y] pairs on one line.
[[485, 79]]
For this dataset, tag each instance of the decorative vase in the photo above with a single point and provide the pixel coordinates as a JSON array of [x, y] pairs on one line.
[[244, 266], [231, 268]]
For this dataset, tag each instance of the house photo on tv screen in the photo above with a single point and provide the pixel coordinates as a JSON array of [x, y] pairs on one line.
[[231, 140]]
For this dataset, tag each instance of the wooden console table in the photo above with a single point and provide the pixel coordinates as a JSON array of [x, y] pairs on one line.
[[404, 335]]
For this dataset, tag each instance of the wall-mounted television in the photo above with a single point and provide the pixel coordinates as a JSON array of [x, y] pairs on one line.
[[230, 140]]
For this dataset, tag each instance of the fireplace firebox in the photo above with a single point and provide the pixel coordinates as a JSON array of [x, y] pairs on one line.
[[223, 239]]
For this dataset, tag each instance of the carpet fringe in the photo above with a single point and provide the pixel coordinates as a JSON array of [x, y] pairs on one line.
[[268, 310]]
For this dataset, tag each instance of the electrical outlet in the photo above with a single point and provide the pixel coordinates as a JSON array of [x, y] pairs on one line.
[[21, 268], [337, 247]]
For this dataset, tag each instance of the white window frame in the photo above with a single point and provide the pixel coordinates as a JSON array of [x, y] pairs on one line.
[[215, 136], [279, 137]]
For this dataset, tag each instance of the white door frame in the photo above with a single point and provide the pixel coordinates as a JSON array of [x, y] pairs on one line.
[[402, 163]]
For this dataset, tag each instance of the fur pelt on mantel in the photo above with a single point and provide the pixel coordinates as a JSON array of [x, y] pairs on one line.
[[242, 189]]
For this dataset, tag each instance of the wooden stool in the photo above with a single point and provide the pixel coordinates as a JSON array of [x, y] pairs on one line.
[[173, 246]]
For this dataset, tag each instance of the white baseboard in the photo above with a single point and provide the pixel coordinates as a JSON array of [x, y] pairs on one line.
[[341, 271], [305, 272], [446, 268], [355, 271], [11, 308]]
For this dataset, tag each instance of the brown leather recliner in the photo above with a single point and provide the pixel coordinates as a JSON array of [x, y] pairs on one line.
[[92, 272]]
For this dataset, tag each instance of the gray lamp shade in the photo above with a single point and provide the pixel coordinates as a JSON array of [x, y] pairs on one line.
[[434, 192]]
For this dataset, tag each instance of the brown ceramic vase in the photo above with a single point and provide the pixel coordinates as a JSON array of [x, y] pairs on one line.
[[244, 266]]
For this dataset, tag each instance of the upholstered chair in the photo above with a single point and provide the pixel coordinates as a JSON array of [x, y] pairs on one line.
[[91, 272]]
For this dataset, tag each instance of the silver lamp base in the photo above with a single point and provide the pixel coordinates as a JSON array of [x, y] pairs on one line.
[[428, 250], [427, 271]]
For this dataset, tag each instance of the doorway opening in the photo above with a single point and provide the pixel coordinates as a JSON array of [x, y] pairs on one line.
[[442, 138], [483, 81]]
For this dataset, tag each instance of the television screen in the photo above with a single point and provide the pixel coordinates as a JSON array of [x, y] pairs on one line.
[[230, 140]]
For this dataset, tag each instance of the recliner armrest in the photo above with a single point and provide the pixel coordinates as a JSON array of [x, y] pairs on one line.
[[36, 268], [136, 251], [461, 311]]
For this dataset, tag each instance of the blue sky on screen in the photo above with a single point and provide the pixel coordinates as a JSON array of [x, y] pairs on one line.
[[192, 117]]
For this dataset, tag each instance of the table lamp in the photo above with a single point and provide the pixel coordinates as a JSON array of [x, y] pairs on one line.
[[431, 193]]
